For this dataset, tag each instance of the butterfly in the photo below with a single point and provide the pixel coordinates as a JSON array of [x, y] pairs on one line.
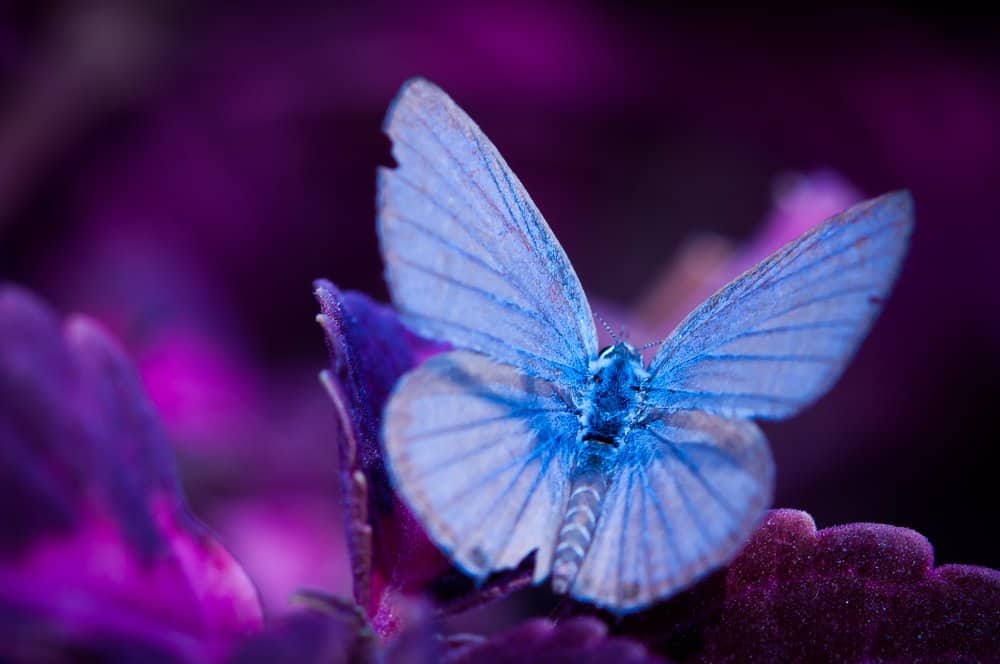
[[629, 481]]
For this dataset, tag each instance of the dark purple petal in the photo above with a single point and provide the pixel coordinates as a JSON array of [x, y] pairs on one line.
[[459, 593], [390, 552], [330, 632], [369, 350], [97, 540], [860, 592], [418, 641], [581, 639]]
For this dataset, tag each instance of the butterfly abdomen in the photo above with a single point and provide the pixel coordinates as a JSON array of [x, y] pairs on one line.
[[583, 510]]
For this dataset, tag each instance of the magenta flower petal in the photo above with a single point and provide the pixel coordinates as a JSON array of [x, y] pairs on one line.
[[286, 541], [97, 541]]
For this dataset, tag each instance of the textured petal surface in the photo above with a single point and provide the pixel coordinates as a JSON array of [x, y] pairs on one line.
[[98, 542], [859, 592], [574, 640], [332, 634]]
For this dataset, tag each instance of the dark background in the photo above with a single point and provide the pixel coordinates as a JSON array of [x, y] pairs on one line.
[[183, 172]]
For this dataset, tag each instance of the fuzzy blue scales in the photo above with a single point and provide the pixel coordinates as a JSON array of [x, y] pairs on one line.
[[615, 397], [628, 482]]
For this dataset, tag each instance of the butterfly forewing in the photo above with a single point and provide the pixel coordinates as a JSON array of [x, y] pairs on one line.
[[469, 258], [480, 450], [686, 495], [776, 338]]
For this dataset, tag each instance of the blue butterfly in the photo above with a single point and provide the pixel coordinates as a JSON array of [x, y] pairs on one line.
[[629, 482]]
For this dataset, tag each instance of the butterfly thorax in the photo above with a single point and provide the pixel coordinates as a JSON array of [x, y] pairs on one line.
[[614, 397]]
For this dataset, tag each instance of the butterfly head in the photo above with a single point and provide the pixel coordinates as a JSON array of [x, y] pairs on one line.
[[619, 353]]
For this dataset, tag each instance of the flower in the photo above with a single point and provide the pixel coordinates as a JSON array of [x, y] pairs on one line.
[[101, 558], [848, 593], [99, 550]]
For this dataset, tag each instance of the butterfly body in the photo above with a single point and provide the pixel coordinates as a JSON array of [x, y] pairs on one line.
[[608, 407], [628, 481]]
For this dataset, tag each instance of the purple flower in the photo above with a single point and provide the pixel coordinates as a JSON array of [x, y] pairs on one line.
[[851, 593], [98, 549], [256, 438], [188, 224], [370, 349], [101, 558]]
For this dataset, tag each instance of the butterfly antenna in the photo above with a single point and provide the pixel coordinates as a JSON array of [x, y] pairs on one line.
[[608, 328], [650, 345]]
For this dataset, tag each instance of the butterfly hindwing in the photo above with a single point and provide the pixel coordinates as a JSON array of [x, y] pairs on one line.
[[469, 258], [684, 498], [478, 450], [776, 338]]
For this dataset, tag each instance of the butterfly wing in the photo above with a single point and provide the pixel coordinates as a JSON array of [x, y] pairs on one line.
[[688, 490], [469, 258], [694, 476], [775, 339], [478, 450]]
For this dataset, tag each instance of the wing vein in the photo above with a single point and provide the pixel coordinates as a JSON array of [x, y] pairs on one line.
[[710, 393], [530, 231], [553, 378], [543, 467], [622, 553], [693, 469], [474, 424], [661, 512], [507, 277], [454, 501], [777, 314], [509, 305]]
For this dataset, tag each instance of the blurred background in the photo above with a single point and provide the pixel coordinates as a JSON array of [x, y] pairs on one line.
[[182, 172]]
